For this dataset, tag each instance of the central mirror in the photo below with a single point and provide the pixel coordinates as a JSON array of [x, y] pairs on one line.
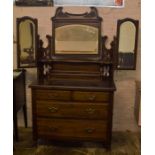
[[76, 39]]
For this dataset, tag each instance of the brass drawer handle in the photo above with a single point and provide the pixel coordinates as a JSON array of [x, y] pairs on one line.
[[92, 98], [53, 109], [89, 130], [52, 129], [90, 111]]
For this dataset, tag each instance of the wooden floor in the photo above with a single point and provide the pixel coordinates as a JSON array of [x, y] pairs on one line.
[[123, 143]]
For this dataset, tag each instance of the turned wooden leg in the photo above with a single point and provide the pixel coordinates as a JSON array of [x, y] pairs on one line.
[[15, 124], [25, 115]]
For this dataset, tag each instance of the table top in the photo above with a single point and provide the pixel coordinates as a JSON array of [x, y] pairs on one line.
[[105, 85]]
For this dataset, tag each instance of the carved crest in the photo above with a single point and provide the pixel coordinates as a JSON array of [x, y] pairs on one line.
[[93, 14]]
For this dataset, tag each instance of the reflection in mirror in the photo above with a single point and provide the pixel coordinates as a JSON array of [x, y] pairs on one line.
[[127, 44], [76, 39], [26, 45]]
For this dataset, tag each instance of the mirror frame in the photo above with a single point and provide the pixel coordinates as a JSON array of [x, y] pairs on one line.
[[89, 19], [136, 24], [18, 22]]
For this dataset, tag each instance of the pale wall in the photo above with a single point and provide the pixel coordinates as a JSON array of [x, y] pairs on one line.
[[125, 80]]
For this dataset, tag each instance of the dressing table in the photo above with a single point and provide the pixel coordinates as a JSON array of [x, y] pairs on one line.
[[72, 100]]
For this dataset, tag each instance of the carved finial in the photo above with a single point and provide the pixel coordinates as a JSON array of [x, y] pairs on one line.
[[113, 42], [107, 53], [93, 12], [59, 11]]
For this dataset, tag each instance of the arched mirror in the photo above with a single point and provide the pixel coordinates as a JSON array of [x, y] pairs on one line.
[[26, 42], [127, 39], [76, 36], [76, 39]]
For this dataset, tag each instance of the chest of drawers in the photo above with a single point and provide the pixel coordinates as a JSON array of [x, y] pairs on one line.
[[72, 114]]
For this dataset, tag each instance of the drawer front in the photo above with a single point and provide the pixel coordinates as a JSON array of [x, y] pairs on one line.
[[72, 129], [53, 95], [72, 110], [91, 96]]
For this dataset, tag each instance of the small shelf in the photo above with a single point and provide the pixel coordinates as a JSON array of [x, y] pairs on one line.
[[74, 61]]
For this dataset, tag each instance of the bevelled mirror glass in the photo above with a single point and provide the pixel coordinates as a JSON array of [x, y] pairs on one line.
[[127, 37], [76, 39], [26, 42]]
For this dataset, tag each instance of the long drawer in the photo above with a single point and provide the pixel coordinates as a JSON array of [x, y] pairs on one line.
[[72, 129], [91, 96], [72, 110], [52, 95]]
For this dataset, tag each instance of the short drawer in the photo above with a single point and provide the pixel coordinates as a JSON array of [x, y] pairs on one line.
[[53, 95], [91, 96], [72, 129], [72, 110]]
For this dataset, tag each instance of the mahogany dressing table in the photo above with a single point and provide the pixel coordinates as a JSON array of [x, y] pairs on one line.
[[72, 99]]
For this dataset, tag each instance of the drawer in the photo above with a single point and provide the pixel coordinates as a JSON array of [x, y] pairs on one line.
[[72, 110], [72, 129], [52, 95], [91, 96]]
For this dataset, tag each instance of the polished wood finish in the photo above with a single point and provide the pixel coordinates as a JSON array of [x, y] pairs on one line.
[[53, 95], [73, 96], [91, 96], [72, 129], [72, 110]]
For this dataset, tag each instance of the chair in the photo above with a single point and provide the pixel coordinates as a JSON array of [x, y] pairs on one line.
[[19, 98]]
